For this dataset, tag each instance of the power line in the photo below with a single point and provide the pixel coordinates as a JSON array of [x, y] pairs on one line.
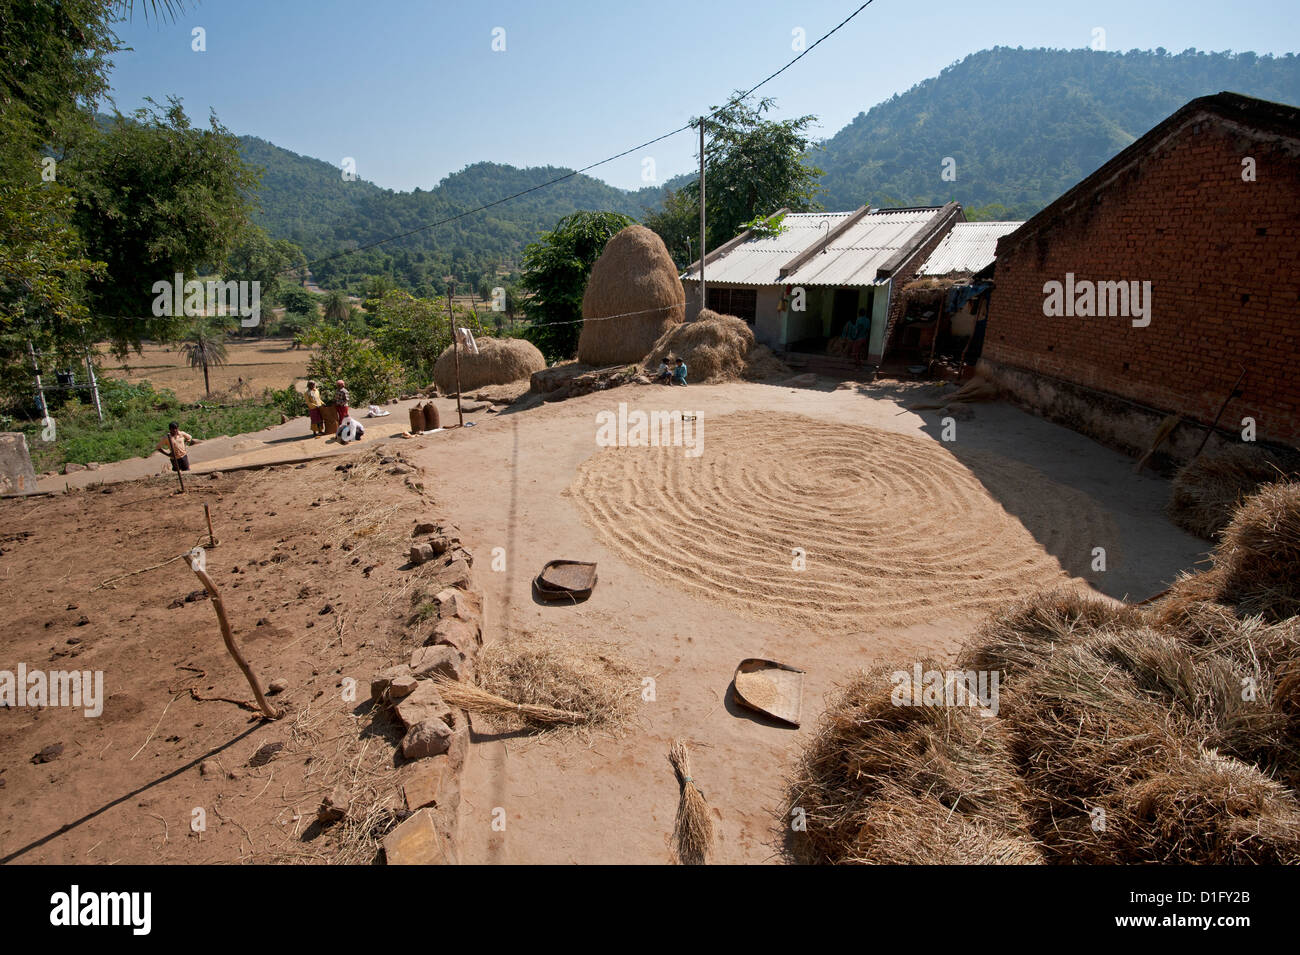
[[558, 179]]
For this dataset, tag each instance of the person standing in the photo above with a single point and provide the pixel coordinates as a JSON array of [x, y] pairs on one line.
[[173, 445], [341, 399], [314, 404]]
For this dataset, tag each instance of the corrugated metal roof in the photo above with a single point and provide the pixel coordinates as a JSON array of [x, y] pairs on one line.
[[969, 247], [851, 259]]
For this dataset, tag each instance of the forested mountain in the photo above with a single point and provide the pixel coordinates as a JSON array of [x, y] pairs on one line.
[[1023, 126], [308, 202]]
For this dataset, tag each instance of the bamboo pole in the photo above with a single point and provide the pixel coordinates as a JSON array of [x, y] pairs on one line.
[[267, 710]]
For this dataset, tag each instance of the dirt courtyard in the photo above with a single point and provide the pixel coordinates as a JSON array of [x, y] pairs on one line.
[[906, 540]]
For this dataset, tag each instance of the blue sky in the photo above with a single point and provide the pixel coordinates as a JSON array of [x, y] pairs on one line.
[[413, 91]]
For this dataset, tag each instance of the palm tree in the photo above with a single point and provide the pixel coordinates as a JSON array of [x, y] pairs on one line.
[[337, 308], [205, 348]]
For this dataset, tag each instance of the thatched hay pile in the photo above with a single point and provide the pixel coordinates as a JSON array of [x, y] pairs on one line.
[[634, 274], [876, 778], [716, 348], [499, 362], [1162, 734], [1207, 491], [541, 670]]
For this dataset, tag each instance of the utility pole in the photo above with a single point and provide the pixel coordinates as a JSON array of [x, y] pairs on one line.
[[455, 345], [704, 297], [40, 389], [94, 385]]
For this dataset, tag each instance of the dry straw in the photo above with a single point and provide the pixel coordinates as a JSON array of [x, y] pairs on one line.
[[636, 274], [499, 361], [693, 830], [1208, 490], [716, 348], [871, 760], [542, 682]]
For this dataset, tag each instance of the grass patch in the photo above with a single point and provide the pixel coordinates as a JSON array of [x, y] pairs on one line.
[[135, 420]]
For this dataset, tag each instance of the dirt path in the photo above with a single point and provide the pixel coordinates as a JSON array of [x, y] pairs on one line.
[[660, 534]]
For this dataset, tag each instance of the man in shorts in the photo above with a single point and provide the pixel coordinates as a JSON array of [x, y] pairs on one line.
[[174, 446]]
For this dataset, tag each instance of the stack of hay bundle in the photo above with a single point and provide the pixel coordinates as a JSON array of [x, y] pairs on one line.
[[499, 361], [633, 297], [716, 348], [1207, 491], [1124, 734]]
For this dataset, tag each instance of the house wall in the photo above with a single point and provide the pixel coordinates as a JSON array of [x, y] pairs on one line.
[[769, 322], [893, 309], [1223, 259]]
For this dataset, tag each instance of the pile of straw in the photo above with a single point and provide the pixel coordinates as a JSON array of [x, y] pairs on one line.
[[545, 682], [693, 830], [1207, 491], [871, 762], [635, 274], [1167, 734], [499, 361], [716, 348]]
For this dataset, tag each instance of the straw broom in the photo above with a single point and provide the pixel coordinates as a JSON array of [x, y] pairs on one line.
[[693, 827], [476, 700]]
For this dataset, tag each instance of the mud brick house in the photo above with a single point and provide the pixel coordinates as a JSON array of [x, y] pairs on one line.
[[832, 263], [1145, 290]]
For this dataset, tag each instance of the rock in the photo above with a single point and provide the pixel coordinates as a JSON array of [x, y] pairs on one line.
[[214, 476], [402, 687], [426, 703], [462, 553], [424, 525], [379, 684], [453, 602], [441, 544], [277, 686], [417, 841], [463, 635], [328, 608], [263, 621], [454, 574], [265, 754], [194, 595], [440, 660], [209, 767], [92, 465], [401, 469], [334, 807], [421, 553], [423, 785], [73, 468], [73, 607], [431, 737], [56, 750], [82, 621], [178, 602], [458, 748]]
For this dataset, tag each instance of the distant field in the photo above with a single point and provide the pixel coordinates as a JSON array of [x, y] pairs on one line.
[[264, 363]]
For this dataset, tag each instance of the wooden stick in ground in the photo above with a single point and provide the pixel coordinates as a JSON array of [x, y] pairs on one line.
[[212, 540], [180, 477], [693, 827], [267, 710]]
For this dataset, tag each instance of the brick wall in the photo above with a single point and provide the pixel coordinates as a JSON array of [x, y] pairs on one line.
[[1223, 257]]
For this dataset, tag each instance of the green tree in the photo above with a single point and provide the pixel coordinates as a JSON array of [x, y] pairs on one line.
[[156, 197], [258, 258], [752, 166], [299, 301], [556, 269], [416, 331], [372, 376], [205, 347], [337, 308]]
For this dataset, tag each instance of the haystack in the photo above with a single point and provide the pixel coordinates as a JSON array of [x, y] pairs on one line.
[[716, 348], [499, 362], [1258, 556], [872, 760], [1207, 491], [635, 274]]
